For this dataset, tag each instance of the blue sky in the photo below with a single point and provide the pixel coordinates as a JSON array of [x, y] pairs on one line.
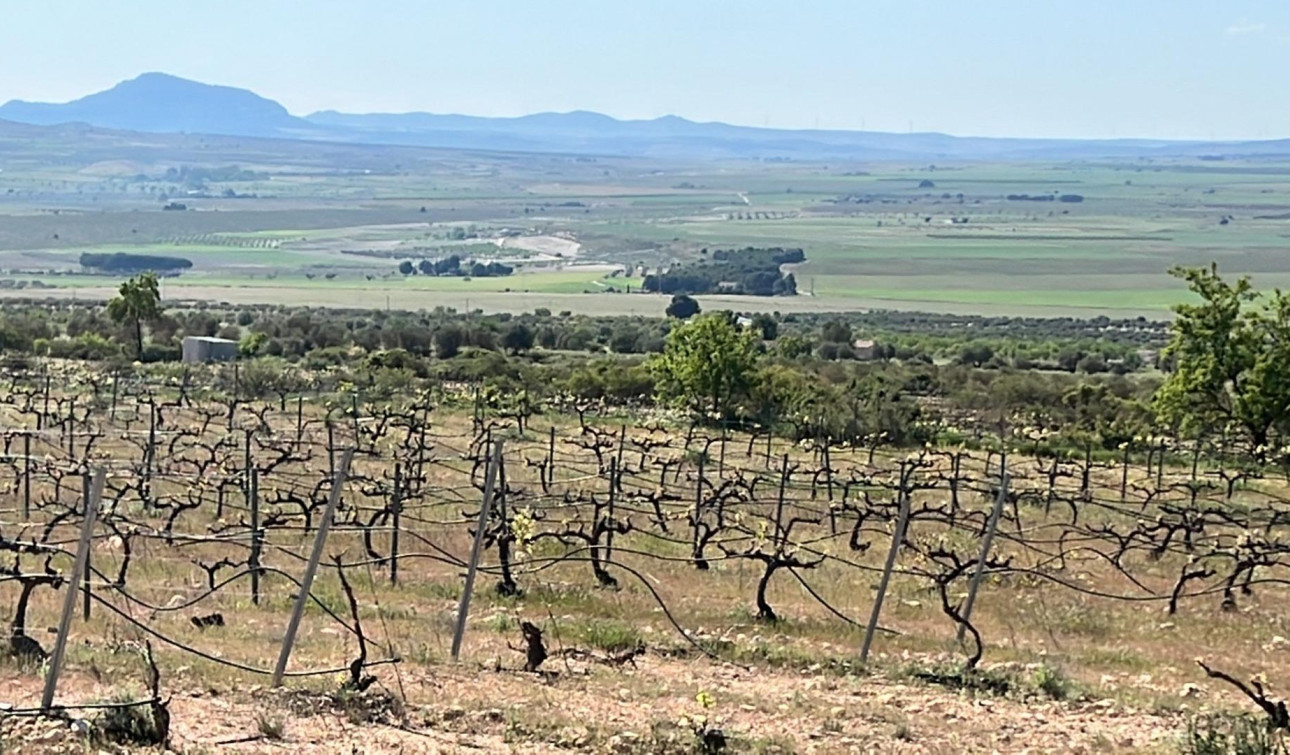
[[1078, 68]]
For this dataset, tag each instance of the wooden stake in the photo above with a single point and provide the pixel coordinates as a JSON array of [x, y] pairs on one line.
[[396, 507], [256, 536], [986, 541], [338, 482], [463, 609], [69, 599], [779, 506], [897, 538]]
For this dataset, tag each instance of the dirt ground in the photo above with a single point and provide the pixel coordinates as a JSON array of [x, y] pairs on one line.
[[576, 707]]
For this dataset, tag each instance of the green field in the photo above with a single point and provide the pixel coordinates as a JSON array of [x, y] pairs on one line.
[[339, 220]]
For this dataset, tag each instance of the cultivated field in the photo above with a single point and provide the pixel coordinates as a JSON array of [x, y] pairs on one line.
[[942, 238], [691, 586]]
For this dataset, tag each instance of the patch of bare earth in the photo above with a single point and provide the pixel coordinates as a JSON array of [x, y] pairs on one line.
[[489, 706]]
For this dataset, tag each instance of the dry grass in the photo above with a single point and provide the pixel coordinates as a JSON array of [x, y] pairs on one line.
[[1081, 671]]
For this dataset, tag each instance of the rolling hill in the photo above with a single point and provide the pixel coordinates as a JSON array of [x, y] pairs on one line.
[[161, 103]]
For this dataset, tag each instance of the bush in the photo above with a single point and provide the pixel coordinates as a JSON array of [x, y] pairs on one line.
[[90, 346], [1091, 364], [611, 379], [132, 725], [1052, 682], [160, 352]]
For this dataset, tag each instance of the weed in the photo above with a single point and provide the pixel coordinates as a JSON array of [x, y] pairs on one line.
[[1052, 682], [1077, 620], [1232, 735], [1121, 658], [1042, 680], [771, 746], [767, 654], [423, 654], [502, 623], [988, 681], [127, 723], [610, 636], [270, 727]]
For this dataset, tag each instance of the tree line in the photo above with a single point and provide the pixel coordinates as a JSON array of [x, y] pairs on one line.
[[749, 271], [1221, 378], [125, 262], [455, 266]]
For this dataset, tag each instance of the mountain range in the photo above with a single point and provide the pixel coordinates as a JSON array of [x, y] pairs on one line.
[[161, 103]]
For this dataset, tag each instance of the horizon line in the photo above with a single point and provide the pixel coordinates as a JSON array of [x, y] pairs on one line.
[[1174, 141]]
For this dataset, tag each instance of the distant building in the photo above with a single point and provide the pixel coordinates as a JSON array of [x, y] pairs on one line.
[[199, 349], [865, 349], [744, 321]]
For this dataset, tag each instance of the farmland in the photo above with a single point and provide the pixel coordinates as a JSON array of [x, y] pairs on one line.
[[967, 534], [882, 235], [689, 583]]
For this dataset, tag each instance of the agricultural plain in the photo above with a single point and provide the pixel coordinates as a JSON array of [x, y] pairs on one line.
[[282, 222]]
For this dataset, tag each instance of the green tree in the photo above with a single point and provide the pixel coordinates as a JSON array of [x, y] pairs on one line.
[[137, 301], [682, 307], [517, 338], [1232, 360], [975, 353], [767, 325], [406, 268], [836, 331], [707, 364], [448, 341]]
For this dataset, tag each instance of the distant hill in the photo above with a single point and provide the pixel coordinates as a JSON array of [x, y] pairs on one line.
[[160, 103]]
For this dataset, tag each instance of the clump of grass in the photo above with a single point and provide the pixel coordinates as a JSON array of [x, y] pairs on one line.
[[1231, 735], [903, 732], [271, 728], [988, 681], [1076, 620], [1042, 680], [127, 724], [502, 623], [767, 654], [610, 636], [423, 654], [1052, 682], [772, 746]]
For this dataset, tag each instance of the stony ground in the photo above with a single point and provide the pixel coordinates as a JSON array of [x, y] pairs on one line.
[[655, 707]]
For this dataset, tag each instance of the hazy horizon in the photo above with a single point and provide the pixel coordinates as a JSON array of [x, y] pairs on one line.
[[1153, 70]]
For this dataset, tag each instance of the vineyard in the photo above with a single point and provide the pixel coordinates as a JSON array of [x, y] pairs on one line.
[[216, 239], [339, 552]]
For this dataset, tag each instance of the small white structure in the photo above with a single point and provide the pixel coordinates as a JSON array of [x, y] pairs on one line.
[[198, 349]]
